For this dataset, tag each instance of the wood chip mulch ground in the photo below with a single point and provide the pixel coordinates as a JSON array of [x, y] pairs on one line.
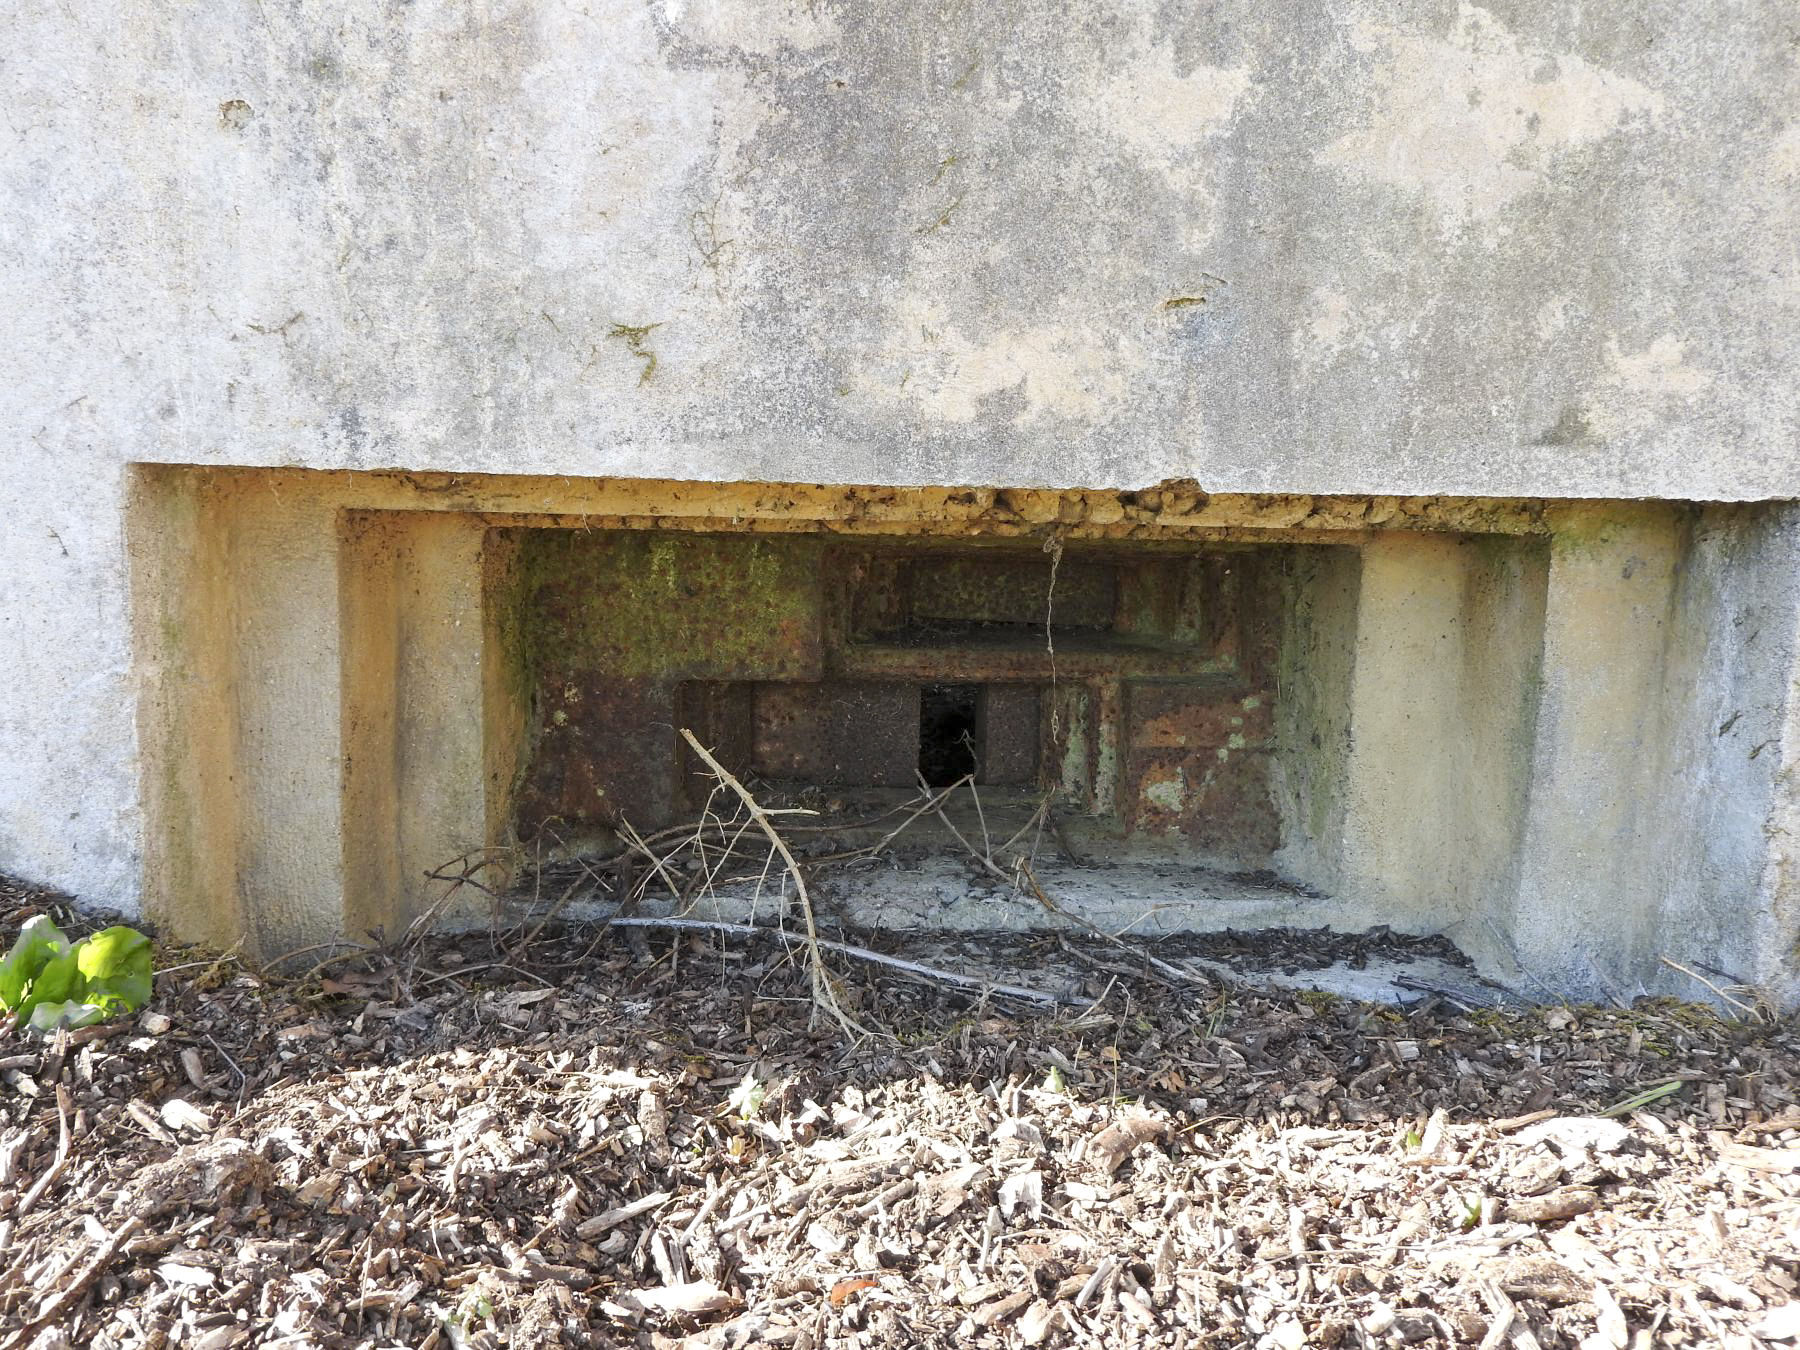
[[634, 1138]]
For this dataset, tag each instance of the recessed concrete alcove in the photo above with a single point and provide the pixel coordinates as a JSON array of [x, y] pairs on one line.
[[1507, 721], [1135, 680]]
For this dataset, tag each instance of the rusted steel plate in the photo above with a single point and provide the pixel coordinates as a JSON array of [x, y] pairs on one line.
[[1023, 659], [1260, 606], [640, 604], [605, 751], [868, 595], [722, 715], [1068, 755], [1160, 717], [1219, 800], [1176, 716], [1009, 734], [838, 733], [1198, 766], [1010, 591], [1170, 600]]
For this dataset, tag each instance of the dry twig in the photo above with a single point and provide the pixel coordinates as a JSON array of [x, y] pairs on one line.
[[821, 978]]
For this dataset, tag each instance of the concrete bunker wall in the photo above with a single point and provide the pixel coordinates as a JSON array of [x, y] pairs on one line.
[[1502, 720]]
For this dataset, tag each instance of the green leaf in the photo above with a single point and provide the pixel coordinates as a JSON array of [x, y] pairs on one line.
[[1642, 1099], [59, 979], [39, 942], [47, 1017], [116, 963], [45, 983]]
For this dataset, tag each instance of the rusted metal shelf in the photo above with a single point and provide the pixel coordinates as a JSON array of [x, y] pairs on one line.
[[980, 658]]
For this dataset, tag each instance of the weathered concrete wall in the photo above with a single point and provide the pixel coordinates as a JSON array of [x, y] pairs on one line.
[[1661, 808], [1351, 248], [1313, 737], [1528, 249]]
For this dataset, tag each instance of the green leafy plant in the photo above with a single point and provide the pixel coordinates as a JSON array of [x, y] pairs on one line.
[[48, 982]]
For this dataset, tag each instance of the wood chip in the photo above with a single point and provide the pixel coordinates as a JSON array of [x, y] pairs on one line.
[[1754, 1159], [990, 1314], [693, 1299], [1553, 1206], [1612, 1325], [612, 1218], [394, 1154]]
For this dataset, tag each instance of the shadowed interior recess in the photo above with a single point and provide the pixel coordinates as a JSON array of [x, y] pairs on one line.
[[1132, 682], [947, 732]]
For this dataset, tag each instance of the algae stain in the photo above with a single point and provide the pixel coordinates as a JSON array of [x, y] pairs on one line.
[[633, 336], [943, 218]]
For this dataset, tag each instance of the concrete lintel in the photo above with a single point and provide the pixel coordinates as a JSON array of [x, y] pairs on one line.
[[1175, 509]]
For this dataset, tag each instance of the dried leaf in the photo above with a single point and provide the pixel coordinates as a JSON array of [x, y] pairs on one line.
[[612, 1218], [843, 1289], [823, 1240], [1023, 1192]]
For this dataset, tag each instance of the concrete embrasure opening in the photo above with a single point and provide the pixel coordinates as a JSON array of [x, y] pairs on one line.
[[1186, 712]]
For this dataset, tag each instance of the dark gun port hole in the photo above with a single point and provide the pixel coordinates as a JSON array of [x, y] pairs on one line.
[[947, 732]]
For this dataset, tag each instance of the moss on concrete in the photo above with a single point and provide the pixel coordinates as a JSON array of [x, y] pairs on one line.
[[630, 604]]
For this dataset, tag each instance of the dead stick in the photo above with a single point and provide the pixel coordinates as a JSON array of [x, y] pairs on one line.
[[981, 858], [930, 803], [821, 978], [1694, 974], [660, 865], [548, 915], [846, 949], [71, 1292], [55, 1169]]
